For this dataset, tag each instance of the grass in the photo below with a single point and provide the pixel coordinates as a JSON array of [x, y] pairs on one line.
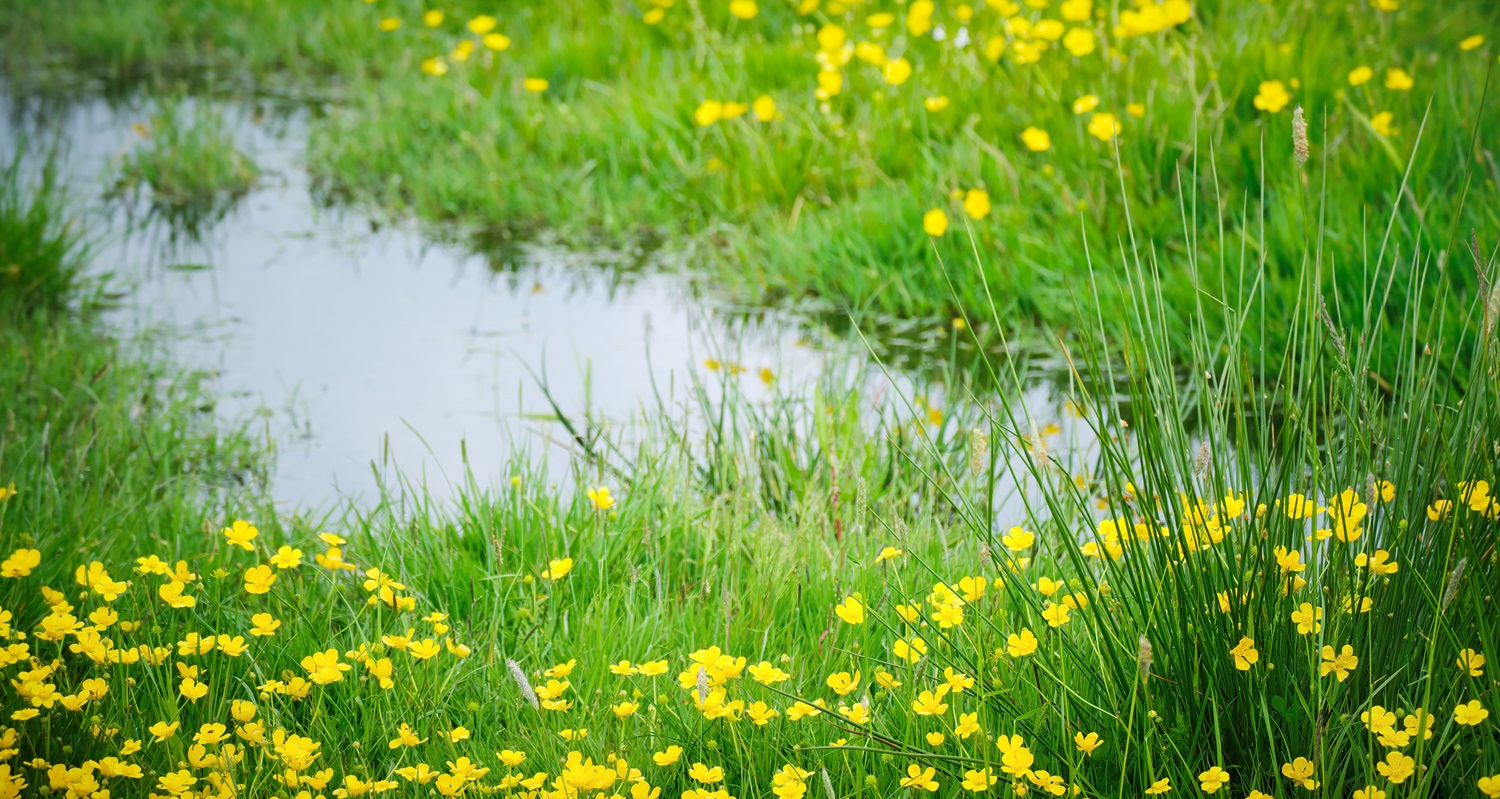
[[827, 199], [188, 160], [1141, 543]]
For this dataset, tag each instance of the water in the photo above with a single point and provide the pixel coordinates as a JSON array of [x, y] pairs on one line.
[[347, 342]]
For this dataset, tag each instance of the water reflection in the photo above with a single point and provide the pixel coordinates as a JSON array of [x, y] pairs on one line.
[[351, 342]]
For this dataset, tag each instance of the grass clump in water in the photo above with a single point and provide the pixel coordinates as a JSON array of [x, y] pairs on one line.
[[188, 159]]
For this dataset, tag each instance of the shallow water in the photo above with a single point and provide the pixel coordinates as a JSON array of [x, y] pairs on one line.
[[350, 344]]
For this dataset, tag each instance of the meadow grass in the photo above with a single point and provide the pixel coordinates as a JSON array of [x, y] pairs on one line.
[[842, 592], [645, 127]]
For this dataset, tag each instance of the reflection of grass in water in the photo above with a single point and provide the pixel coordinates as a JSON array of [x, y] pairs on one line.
[[190, 163]]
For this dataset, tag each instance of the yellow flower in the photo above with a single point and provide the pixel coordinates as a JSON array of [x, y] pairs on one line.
[[241, 534], [1398, 80], [977, 203], [887, 554], [851, 611], [1056, 615], [935, 222], [744, 9], [1085, 104], [830, 83], [1018, 540], [1079, 41], [1077, 10], [535, 85], [424, 649], [497, 42], [1036, 139], [161, 730], [1020, 644], [1381, 122], [1161, 786], [918, 778], [1379, 563], [1471, 662], [1439, 510], [930, 703], [1369, 792], [20, 563], [935, 104], [667, 757], [1136, 110], [432, 18], [1490, 786], [192, 690], [625, 709], [1471, 42], [978, 781], [389, 24], [1104, 126], [324, 667], [510, 757], [708, 112], [1360, 75], [1213, 779], [258, 579], [1396, 767], [557, 568], [172, 594], [1300, 772], [287, 558], [1244, 654], [1339, 664], [1272, 96], [482, 24], [1309, 620], [405, 736], [599, 495], [842, 683], [896, 72], [436, 67], [1087, 743], [705, 775], [909, 651], [764, 108], [1471, 714], [264, 624], [919, 17]]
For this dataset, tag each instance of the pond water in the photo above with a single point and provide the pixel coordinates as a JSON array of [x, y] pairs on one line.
[[352, 344]]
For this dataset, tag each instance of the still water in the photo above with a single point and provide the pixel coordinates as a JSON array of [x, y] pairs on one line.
[[349, 343]]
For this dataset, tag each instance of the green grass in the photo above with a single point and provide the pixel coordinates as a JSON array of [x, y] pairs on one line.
[[744, 526], [827, 199], [188, 160], [39, 254]]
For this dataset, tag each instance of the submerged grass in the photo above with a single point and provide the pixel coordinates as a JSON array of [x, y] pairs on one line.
[[645, 123], [1231, 570]]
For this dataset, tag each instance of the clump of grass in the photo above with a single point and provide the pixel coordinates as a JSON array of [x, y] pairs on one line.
[[188, 159], [40, 253]]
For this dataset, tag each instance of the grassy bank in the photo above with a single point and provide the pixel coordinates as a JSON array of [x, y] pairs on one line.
[[823, 186], [1211, 583]]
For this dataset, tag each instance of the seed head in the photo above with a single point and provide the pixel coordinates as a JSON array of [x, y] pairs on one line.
[[521, 682], [1299, 136]]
